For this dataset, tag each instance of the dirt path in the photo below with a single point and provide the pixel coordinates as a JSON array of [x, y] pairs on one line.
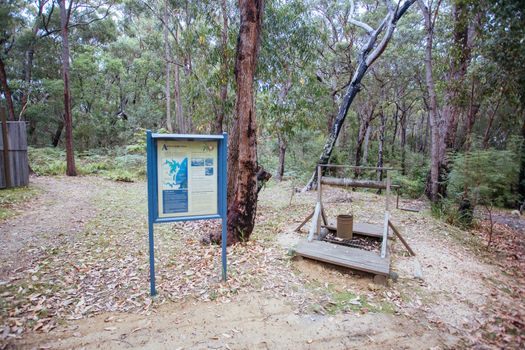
[[252, 321], [88, 287], [58, 214]]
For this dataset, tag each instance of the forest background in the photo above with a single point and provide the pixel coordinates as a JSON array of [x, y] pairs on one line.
[[448, 93]]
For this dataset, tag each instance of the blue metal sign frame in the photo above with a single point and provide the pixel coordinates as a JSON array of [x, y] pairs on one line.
[[153, 210]]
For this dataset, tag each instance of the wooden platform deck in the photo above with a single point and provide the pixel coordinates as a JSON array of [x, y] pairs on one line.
[[357, 259], [363, 229]]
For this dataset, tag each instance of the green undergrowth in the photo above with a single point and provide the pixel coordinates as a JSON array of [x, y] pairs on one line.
[[9, 198], [346, 301], [449, 227], [118, 164], [447, 211]]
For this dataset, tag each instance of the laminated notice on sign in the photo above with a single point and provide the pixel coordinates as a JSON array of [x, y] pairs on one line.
[[187, 178]]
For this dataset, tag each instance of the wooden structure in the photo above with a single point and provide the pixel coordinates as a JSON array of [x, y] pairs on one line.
[[396, 231], [14, 163], [354, 258], [380, 185], [363, 229]]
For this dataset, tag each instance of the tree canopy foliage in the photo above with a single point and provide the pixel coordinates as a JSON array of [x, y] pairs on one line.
[[309, 50]]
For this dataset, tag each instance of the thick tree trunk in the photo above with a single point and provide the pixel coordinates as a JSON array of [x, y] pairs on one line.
[[435, 139], [233, 159], [243, 168], [7, 91], [65, 13], [219, 120], [167, 58], [368, 54], [282, 154], [459, 61], [459, 55]]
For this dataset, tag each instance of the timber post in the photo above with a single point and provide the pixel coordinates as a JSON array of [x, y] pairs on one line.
[[5, 139]]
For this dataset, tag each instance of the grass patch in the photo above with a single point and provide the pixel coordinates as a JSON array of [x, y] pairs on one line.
[[345, 301], [386, 308], [348, 301], [120, 175], [12, 196], [115, 164]]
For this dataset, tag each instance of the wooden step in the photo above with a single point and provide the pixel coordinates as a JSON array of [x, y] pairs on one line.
[[357, 259]]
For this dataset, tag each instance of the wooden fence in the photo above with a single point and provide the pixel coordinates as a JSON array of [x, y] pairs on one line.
[[18, 161]]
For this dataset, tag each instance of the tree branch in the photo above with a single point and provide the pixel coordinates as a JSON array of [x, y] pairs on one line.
[[74, 25], [360, 24], [384, 42]]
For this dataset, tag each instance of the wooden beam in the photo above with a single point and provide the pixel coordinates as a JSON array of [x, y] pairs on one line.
[[357, 167], [384, 240], [387, 199], [323, 214], [298, 229], [319, 189], [401, 238], [363, 229], [316, 222], [334, 181], [410, 209]]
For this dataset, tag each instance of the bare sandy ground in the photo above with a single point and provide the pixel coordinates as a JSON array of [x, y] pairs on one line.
[[440, 309], [250, 322], [59, 212]]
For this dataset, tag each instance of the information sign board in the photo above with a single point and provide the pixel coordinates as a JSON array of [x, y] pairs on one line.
[[186, 181], [187, 172]]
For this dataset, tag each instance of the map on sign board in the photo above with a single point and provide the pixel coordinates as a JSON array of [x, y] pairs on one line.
[[187, 177]]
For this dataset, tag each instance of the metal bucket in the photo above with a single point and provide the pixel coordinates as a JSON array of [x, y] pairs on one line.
[[345, 226]]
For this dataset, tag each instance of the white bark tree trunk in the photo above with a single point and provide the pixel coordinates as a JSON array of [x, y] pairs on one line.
[[369, 53]]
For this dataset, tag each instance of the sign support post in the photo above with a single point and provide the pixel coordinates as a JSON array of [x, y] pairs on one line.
[[187, 180], [223, 202]]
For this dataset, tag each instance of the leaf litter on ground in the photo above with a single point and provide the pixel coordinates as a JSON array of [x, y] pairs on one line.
[[106, 268]]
